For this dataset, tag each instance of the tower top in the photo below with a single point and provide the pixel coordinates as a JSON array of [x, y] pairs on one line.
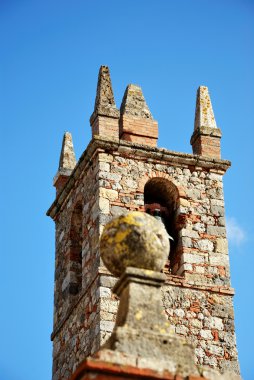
[[67, 157], [67, 163], [205, 139], [204, 116], [134, 104], [104, 101]]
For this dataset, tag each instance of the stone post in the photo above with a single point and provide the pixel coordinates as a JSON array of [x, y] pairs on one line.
[[136, 247], [206, 137], [136, 121], [67, 163], [105, 118]]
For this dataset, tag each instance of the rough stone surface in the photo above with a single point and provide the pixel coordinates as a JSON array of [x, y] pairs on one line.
[[136, 123], [206, 137], [67, 157], [67, 162], [204, 116], [137, 240], [104, 101], [134, 104], [142, 329]]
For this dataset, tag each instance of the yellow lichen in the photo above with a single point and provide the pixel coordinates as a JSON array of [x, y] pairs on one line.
[[139, 315], [121, 235]]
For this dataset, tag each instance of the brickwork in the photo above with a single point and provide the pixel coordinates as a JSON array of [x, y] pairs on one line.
[[137, 130], [136, 121], [114, 176], [105, 126], [206, 142], [198, 300]]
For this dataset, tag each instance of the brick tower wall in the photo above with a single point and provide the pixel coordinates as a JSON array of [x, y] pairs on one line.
[[108, 180]]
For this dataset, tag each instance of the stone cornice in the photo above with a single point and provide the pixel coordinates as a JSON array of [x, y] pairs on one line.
[[131, 149]]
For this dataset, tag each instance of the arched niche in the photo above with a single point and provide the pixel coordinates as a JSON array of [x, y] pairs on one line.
[[75, 250], [162, 194]]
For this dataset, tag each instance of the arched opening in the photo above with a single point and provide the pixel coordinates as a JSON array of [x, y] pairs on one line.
[[75, 252], [161, 200]]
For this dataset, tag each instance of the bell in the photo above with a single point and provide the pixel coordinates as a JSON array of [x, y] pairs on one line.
[[157, 215]]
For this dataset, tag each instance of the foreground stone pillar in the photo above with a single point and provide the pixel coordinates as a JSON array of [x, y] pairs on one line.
[[135, 246], [142, 345], [142, 329]]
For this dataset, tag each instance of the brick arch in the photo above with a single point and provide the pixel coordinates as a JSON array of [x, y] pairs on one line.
[[161, 192], [159, 174]]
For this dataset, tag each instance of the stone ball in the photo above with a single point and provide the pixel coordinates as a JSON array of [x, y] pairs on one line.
[[135, 239]]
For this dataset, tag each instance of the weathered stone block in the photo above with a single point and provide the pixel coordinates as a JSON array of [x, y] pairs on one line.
[[112, 195], [104, 166], [107, 325], [206, 334], [105, 157], [216, 231], [104, 205], [214, 323], [218, 259], [204, 245], [191, 258], [221, 245]]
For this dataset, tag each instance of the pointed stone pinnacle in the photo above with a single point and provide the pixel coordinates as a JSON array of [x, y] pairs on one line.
[[204, 116], [104, 102], [134, 103], [67, 157]]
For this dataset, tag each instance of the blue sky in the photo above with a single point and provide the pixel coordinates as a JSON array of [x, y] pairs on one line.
[[50, 56]]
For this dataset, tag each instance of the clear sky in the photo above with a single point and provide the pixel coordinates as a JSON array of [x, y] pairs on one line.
[[51, 51]]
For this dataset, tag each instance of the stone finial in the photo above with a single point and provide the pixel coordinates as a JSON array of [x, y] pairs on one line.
[[67, 157], [104, 101], [135, 239], [204, 116], [206, 137], [105, 118], [67, 162], [134, 103], [136, 246], [136, 121]]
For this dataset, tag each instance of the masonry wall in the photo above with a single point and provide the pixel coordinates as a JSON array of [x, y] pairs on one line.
[[197, 298], [202, 243], [76, 316], [203, 316]]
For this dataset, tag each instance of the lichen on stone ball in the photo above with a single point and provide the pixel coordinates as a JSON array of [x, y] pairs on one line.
[[134, 239]]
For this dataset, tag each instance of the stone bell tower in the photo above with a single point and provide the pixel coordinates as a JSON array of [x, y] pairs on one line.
[[122, 169]]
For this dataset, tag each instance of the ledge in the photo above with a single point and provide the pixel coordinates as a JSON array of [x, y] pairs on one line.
[[205, 131], [182, 282], [101, 370], [132, 149]]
